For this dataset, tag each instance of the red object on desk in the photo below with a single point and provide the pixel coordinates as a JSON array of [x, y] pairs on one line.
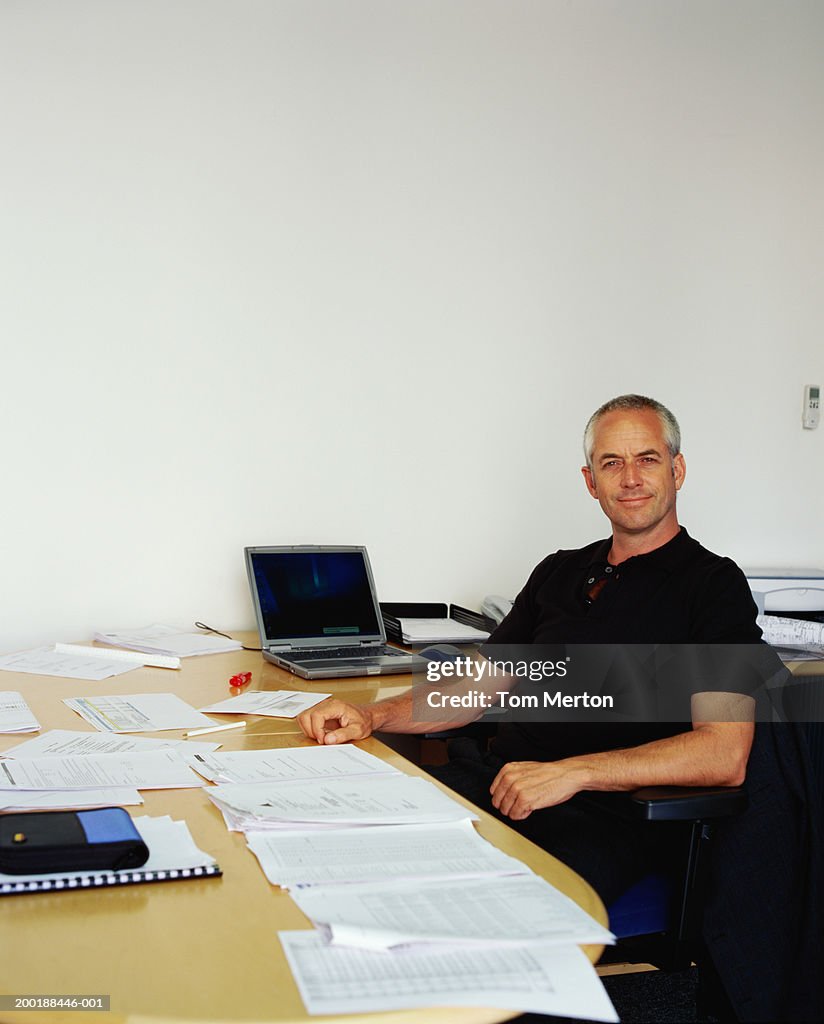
[[241, 679]]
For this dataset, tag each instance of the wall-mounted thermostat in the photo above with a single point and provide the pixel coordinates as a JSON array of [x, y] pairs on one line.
[[811, 406]]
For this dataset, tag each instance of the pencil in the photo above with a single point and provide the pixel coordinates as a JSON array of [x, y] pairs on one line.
[[214, 728]]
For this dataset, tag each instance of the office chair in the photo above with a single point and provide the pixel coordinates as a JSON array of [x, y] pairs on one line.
[[658, 919]]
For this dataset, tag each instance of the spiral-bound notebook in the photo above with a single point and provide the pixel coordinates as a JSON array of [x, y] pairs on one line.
[[101, 879], [173, 857]]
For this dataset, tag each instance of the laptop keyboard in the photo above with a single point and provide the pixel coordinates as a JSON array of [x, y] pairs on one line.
[[329, 653]]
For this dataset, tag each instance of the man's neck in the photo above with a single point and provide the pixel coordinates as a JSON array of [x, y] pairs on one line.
[[628, 545]]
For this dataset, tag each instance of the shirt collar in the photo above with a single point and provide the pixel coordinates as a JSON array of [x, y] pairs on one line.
[[669, 557]]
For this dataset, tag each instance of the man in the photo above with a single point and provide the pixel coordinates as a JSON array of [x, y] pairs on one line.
[[649, 583]]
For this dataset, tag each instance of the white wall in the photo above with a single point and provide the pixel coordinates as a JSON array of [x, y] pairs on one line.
[[248, 247]]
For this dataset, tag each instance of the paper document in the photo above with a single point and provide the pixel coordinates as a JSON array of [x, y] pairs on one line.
[[270, 703], [168, 640], [454, 850], [518, 910], [115, 654], [62, 799], [377, 800], [555, 980], [780, 631], [288, 763], [67, 742], [15, 713], [46, 661], [445, 631], [138, 712], [151, 769]]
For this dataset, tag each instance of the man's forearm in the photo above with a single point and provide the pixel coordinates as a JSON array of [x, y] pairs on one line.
[[397, 714], [710, 755], [713, 755]]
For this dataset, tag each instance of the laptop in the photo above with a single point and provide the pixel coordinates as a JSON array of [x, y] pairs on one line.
[[318, 613]]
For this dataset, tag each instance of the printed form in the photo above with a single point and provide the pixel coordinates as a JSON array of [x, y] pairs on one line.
[[138, 712], [68, 742], [286, 763], [514, 910], [151, 769], [453, 850], [548, 979], [376, 800]]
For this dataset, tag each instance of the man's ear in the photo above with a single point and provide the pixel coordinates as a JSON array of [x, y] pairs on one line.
[[679, 470], [589, 480]]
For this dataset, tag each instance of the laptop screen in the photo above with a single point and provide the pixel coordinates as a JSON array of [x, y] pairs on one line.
[[318, 594]]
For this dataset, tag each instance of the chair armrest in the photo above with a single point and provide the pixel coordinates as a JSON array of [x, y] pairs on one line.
[[675, 803]]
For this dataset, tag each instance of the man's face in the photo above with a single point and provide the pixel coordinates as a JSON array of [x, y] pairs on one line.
[[633, 476]]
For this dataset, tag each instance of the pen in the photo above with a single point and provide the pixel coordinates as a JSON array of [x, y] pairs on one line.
[[241, 679], [214, 728]]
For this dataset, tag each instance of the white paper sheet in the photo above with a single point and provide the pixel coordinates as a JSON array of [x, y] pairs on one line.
[[169, 640], [138, 712], [68, 743], [551, 979], [46, 661], [150, 769], [377, 800], [454, 850], [269, 703], [15, 713], [513, 910], [782, 631], [427, 631], [288, 763], [55, 800]]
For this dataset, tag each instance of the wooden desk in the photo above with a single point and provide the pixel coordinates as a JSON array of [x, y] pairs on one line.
[[201, 951]]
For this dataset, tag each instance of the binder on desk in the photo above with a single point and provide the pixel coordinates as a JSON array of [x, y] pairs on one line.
[[173, 857], [13, 885], [396, 613]]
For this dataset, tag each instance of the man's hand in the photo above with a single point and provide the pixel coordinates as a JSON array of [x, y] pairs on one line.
[[335, 721], [522, 787]]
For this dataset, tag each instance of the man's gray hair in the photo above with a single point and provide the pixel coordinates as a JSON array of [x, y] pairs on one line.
[[633, 403]]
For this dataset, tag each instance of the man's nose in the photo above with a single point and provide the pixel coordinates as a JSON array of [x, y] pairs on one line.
[[630, 477]]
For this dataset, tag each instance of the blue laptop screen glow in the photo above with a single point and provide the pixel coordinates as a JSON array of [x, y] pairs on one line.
[[314, 595]]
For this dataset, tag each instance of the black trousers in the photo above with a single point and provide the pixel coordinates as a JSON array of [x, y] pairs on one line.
[[609, 852]]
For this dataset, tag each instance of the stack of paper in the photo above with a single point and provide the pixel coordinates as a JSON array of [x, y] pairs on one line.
[[68, 742], [67, 664], [168, 640], [444, 631], [55, 756], [797, 637], [150, 769], [15, 714]]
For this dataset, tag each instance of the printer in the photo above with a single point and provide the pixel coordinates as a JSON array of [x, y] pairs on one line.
[[794, 593]]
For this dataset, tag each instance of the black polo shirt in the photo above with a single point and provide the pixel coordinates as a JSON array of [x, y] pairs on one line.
[[680, 593]]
